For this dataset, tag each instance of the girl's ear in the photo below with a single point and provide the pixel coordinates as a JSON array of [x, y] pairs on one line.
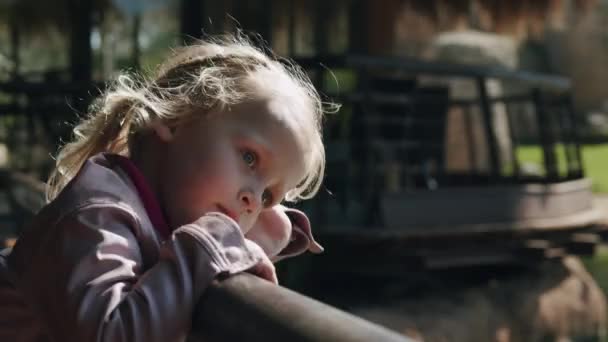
[[163, 131]]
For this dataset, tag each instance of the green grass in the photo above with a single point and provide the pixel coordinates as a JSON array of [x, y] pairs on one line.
[[595, 158], [595, 162]]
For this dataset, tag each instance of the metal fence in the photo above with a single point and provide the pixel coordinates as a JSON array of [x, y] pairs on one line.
[[409, 125]]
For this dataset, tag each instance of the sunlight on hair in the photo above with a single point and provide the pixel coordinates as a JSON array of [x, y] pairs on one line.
[[207, 75]]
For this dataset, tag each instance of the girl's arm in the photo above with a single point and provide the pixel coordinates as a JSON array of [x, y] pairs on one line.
[[97, 290]]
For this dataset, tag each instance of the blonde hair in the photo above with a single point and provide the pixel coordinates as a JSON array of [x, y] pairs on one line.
[[209, 75]]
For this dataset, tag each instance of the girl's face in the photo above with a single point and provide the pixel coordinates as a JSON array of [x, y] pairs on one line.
[[238, 162]]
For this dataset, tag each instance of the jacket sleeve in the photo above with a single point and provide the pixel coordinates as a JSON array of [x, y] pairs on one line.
[[99, 290]]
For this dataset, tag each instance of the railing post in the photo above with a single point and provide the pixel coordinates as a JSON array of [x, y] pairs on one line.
[[546, 136], [489, 127], [516, 169], [573, 134]]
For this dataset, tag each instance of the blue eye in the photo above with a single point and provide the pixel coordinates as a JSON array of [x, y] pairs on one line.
[[250, 158]]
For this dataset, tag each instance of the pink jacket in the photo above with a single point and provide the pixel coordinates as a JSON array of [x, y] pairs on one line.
[[92, 266]]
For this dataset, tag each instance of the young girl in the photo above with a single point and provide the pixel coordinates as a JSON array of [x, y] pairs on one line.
[[168, 183]]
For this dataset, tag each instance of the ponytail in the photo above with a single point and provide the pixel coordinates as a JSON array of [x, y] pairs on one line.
[[105, 129]]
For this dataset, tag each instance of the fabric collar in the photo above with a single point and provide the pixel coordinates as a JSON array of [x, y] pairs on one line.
[[151, 204]]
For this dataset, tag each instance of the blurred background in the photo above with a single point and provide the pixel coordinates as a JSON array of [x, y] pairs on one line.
[[465, 197]]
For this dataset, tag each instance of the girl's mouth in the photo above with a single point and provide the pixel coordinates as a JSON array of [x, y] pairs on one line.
[[228, 213]]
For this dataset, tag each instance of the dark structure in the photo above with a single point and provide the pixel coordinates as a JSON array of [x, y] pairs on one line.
[[420, 185]]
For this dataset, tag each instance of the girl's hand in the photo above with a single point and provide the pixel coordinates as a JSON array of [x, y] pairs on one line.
[[272, 230], [264, 268], [283, 232]]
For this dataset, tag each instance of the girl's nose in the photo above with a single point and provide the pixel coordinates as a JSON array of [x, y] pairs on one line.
[[250, 201]]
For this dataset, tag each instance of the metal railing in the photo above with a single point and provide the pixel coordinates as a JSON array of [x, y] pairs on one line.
[[548, 95], [244, 307], [398, 113]]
